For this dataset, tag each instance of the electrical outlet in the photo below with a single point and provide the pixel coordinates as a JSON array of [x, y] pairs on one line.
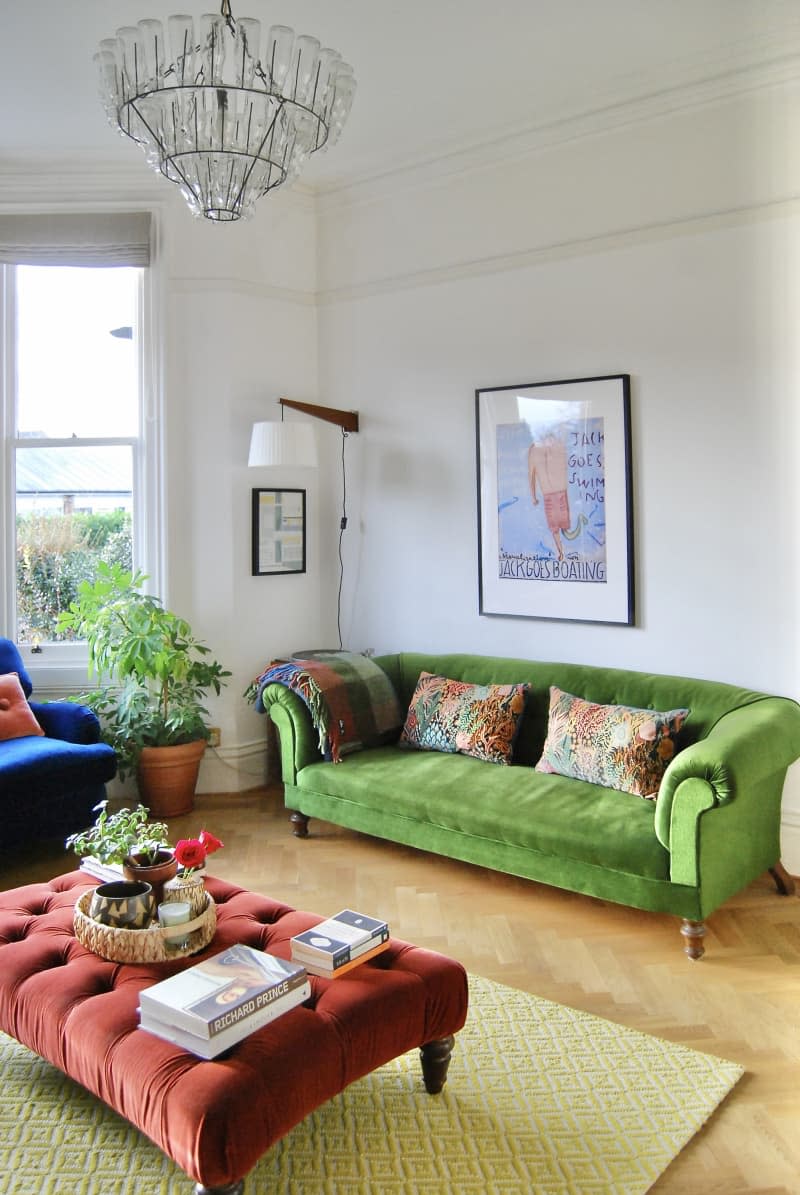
[[214, 736]]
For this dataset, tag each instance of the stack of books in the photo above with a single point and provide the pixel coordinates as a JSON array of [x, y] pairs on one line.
[[101, 871], [335, 946], [211, 1006]]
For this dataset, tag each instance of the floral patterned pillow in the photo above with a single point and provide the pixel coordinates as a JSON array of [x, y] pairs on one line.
[[617, 746], [452, 716]]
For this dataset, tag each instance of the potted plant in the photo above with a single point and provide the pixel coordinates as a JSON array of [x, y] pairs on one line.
[[115, 837], [130, 840], [157, 674]]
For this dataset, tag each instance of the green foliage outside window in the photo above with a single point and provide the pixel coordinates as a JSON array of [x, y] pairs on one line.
[[55, 552]]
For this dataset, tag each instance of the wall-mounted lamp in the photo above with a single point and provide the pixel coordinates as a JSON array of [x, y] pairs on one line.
[[293, 445]]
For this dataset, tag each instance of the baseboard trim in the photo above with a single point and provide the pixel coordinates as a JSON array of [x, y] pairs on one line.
[[790, 842], [233, 769]]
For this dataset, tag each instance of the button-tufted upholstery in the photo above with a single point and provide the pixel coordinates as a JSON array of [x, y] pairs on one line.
[[215, 1118]]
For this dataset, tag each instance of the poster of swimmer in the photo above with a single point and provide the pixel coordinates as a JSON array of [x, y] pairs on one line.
[[555, 527]]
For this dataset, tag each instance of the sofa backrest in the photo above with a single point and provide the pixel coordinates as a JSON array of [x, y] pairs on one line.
[[707, 700], [11, 661]]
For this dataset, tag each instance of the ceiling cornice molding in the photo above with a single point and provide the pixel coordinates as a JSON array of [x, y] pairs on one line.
[[46, 183], [532, 140], [35, 183]]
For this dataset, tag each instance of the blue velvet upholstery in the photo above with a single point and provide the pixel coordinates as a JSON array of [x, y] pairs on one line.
[[49, 785]]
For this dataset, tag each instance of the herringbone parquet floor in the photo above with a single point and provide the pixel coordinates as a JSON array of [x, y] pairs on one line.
[[742, 1001]]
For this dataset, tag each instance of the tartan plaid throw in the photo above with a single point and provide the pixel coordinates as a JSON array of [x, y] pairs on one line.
[[351, 700]]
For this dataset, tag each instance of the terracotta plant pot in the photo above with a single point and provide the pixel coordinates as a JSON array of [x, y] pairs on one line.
[[167, 778], [156, 874], [123, 904]]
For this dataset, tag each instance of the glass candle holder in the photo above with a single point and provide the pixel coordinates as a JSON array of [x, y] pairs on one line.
[[172, 916]]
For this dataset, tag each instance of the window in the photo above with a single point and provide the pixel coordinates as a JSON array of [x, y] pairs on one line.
[[80, 459]]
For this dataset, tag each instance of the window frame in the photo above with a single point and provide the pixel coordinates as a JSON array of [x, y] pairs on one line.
[[60, 668]]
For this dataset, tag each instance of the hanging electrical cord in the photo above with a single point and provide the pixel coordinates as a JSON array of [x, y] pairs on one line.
[[342, 529]]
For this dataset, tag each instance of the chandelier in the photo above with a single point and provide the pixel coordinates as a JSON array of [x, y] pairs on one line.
[[230, 117]]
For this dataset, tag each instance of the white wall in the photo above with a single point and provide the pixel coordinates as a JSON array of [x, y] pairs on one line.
[[664, 247], [241, 332], [668, 251]]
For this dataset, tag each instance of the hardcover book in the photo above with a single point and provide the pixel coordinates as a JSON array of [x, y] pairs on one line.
[[342, 937], [106, 872], [343, 967], [210, 1047], [221, 991]]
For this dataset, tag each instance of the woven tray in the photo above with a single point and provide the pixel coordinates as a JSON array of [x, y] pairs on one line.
[[140, 945]]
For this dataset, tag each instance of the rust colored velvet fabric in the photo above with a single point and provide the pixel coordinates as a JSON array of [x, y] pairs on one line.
[[215, 1119]]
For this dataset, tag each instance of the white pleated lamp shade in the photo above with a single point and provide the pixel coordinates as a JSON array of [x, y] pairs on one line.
[[283, 444]]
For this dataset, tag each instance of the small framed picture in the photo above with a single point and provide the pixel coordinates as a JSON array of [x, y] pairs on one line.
[[279, 532], [555, 527]]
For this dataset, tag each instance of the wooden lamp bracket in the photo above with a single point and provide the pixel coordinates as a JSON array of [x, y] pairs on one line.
[[346, 420]]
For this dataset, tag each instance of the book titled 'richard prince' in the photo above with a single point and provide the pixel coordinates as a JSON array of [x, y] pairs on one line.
[[339, 940], [210, 1047], [222, 991]]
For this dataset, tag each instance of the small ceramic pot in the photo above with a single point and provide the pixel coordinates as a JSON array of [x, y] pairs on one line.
[[165, 867], [123, 904]]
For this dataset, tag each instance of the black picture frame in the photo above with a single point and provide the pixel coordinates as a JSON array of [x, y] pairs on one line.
[[555, 509], [278, 532]]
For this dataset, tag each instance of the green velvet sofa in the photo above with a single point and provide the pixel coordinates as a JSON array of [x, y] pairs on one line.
[[714, 827]]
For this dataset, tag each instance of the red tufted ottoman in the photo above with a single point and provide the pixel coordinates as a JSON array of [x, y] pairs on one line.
[[215, 1119]]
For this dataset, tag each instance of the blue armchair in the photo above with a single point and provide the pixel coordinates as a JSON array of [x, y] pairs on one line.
[[50, 783]]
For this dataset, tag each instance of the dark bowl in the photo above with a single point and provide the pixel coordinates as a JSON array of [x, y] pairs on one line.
[[123, 904]]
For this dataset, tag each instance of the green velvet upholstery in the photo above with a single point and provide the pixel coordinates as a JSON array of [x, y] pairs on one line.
[[713, 829]]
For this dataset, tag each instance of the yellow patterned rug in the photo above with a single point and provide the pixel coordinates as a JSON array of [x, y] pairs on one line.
[[541, 1100]]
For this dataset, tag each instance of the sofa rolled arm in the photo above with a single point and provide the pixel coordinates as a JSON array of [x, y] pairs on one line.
[[67, 720], [744, 748], [298, 740]]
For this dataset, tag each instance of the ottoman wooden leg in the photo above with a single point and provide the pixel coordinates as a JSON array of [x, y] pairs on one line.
[[230, 1189], [435, 1058]]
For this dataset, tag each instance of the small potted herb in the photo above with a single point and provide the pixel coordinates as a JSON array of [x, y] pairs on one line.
[[116, 836], [129, 839]]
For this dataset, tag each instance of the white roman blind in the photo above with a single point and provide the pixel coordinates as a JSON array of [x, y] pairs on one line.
[[75, 239]]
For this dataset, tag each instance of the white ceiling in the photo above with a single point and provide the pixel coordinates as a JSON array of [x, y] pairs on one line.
[[435, 76]]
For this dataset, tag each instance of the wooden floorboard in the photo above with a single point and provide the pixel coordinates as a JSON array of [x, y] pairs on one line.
[[742, 1001]]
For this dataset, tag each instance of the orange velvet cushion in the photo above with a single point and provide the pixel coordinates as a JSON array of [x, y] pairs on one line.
[[16, 719]]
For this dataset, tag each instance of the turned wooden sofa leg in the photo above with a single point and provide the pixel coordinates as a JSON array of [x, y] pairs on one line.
[[783, 881], [435, 1059], [299, 824], [693, 933]]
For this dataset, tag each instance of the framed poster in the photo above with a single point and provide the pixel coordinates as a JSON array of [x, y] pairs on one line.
[[279, 532], [555, 527]]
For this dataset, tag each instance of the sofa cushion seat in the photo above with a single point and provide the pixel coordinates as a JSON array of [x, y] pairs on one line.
[[49, 766], [513, 806]]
